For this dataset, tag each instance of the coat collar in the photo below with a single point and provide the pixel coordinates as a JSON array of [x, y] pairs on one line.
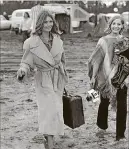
[[57, 46], [38, 48]]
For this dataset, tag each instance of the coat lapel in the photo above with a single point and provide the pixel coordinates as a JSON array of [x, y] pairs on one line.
[[57, 46], [39, 49]]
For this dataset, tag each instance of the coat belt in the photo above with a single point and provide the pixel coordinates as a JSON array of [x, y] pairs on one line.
[[56, 68]]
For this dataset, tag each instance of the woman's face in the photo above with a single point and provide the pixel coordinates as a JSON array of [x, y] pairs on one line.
[[48, 24], [116, 26]]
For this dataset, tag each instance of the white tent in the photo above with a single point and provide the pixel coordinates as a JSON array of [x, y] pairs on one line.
[[76, 13], [56, 9], [110, 15]]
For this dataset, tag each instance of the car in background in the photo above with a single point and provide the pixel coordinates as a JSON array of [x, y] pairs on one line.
[[4, 23], [125, 15], [17, 17]]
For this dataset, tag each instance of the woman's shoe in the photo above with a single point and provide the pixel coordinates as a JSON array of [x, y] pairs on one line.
[[39, 139], [121, 139], [49, 142], [101, 133]]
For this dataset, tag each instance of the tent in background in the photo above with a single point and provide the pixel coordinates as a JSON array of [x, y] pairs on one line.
[[101, 26], [87, 27], [68, 16]]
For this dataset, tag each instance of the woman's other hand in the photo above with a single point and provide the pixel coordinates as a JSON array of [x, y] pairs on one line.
[[20, 75]]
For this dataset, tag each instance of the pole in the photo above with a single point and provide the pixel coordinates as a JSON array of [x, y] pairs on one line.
[[96, 12]]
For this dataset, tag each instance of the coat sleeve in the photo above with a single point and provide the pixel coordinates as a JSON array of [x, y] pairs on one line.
[[27, 62], [63, 59], [96, 58]]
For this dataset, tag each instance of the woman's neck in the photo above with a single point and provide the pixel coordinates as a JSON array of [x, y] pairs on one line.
[[45, 35], [114, 35]]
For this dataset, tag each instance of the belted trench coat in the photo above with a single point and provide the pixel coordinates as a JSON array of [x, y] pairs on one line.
[[50, 79]]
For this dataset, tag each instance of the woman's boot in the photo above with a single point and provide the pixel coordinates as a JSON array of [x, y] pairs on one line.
[[49, 142]]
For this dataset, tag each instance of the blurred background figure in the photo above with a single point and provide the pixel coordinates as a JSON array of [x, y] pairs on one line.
[[34, 14], [5, 15], [25, 26]]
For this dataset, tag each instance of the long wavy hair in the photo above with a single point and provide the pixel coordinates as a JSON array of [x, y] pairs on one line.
[[40, 23], [108, 29], [27, 14]]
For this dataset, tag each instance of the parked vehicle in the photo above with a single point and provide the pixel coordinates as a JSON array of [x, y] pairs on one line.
[[4, 23], [17, 17]]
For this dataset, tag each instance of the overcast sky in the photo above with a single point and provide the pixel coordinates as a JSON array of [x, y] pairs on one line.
[[107, 2]]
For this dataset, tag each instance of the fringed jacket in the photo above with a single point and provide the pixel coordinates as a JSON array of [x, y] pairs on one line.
[[103, 58]]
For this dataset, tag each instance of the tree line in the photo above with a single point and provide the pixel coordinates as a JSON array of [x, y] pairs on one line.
[[90, 6]]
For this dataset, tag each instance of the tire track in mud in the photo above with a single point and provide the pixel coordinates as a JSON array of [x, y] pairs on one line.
[[10, 51], [10, 61]]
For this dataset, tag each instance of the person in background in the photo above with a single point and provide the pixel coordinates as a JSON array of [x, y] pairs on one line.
[[44, 50], [5, 15], [102, 67], [35, 10], [25, 26]]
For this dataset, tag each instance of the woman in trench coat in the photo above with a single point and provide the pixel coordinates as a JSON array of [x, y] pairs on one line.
[[44, 50]]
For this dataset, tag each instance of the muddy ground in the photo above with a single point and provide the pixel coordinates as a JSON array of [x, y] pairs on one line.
[[19, 120]]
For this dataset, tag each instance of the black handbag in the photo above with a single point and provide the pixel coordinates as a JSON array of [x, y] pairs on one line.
[[121, 74], [72, 110]]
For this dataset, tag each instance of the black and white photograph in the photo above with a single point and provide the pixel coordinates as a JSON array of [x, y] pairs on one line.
[[64, 74]]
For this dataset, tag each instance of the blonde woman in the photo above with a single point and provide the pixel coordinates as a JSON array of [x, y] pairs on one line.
[[44, 50], [102, 68]]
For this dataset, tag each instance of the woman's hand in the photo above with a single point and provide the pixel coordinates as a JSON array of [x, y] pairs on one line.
[[20, 75]]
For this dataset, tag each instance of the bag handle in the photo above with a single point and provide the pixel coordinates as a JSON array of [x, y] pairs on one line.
[[65, 92], [121, 59]]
